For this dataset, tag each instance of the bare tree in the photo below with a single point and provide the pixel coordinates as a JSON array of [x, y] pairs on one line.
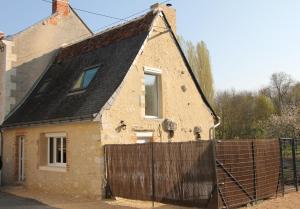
[[280, 87]]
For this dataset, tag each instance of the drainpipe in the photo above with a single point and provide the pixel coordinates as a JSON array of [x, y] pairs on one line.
[[212, 130]]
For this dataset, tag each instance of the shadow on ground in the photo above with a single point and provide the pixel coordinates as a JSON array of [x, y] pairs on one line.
[[8, 201]]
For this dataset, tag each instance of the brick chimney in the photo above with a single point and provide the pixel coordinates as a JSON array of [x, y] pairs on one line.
[[2, 35], [169, 12], [60, 7]]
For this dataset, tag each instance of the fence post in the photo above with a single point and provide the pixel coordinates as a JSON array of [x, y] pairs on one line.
[[254, 172], [153, 178], [107, 189], [214, 147], [294, 164], [105, 170], [281, 165]]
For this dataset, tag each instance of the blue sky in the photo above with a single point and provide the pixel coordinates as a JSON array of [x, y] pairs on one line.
[[248, 39]]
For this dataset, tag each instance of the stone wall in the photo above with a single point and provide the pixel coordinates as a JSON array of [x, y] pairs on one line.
[[2, 73], [29, 52], [85, 162], [6, 61], [181, 101]]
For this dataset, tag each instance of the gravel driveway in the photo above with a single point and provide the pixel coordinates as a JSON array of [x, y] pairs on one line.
[[8, 201]]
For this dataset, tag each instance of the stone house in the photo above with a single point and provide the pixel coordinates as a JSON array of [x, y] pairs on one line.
[[25, 55], [128, 84]]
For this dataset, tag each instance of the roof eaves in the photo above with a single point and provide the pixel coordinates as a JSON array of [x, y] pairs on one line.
[[50, 121]]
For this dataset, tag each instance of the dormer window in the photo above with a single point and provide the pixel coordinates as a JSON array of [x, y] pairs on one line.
[[85, 78]]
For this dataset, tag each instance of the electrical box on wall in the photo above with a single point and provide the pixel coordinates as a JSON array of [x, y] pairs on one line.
[[170, 125]]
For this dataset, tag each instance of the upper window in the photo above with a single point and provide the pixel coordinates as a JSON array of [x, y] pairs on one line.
[[152, 95], [85, 78]]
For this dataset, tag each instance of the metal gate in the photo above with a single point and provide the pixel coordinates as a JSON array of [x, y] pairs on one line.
[[248, 170], [290, 163]]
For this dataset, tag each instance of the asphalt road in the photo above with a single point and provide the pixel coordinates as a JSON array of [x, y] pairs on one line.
[[8, 201]]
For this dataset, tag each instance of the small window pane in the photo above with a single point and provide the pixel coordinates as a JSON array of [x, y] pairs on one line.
[[58, 150], [88, 76], [64, 150], [151, 95], [85, 78], [78, 83], [51, 145]]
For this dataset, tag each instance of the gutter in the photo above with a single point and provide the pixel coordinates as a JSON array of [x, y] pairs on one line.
[[49, 122]]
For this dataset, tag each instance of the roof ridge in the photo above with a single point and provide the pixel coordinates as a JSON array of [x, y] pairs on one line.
[[109, 29], [108, 36], [9, 37]]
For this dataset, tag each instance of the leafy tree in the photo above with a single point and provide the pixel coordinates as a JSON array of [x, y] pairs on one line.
[[273, 111], [264, 108], [243, 114], [199, 59], [287, 124]]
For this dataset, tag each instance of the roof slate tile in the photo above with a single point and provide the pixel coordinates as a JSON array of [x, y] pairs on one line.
[[114, 51]]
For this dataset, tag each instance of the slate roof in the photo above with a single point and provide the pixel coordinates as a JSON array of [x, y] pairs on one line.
[[113, 50]]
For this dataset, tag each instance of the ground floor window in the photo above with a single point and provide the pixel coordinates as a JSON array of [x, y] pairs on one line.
[[57, 150]]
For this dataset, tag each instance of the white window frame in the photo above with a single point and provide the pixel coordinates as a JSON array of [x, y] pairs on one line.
[[156, 72], [97, 67], [55, 136], [144, 134]]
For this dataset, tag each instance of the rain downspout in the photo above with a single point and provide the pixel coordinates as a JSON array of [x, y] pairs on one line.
[[212, 130]]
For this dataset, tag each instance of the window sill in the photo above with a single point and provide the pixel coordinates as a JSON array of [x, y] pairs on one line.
[[53, 168], [77, 91], [147, 117]]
